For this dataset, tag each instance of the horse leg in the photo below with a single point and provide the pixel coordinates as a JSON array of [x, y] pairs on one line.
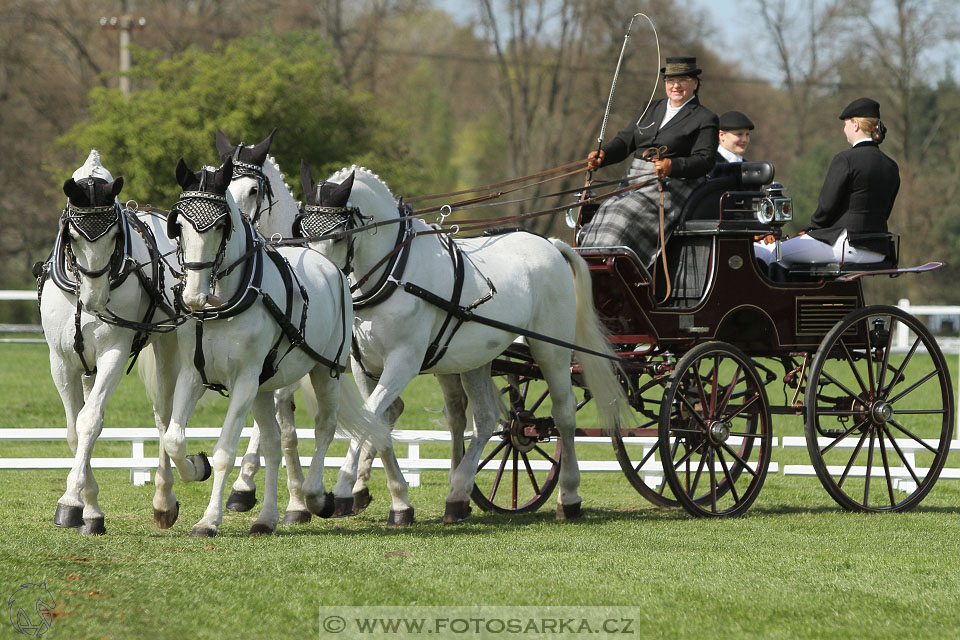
[[351, 494], [157, 368], [297, 512], [264, 412], [80, 481], [243, 392], [187, 393], [243, 494], [325, 390], [455, 411], [482, 398], [69, 511], [555, 365]]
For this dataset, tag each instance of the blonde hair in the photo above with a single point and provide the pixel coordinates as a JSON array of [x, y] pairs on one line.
[[871, 127]]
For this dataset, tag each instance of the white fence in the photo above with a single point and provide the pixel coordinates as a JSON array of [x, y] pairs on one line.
[[140, 466]]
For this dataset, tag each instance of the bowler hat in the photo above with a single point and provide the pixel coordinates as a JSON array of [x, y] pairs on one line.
[[680, 66], [733, 120], [861, 108]]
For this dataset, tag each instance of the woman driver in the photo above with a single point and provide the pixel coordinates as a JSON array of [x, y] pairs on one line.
[[688, 130]]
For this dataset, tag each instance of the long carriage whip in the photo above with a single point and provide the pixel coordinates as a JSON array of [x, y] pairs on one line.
[[606, 114]]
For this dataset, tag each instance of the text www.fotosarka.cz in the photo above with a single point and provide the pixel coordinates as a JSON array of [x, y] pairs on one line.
[[481, 622]]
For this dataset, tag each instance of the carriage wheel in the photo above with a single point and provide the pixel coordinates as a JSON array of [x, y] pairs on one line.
[[517, 472], [649, 395], [715, 431], [878, 422]]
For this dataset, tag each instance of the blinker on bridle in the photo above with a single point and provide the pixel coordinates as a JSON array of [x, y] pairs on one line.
[[243, 169]]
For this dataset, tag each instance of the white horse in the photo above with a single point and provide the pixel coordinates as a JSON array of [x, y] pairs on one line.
[[262, 195], [273, 317], [518, 279], [101, 292]]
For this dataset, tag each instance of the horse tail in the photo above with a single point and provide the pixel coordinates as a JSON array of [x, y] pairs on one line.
[[358, 421], [147, 370], [600, 374]]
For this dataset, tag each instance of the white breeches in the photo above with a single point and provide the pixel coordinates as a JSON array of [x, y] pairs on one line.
[[807, 250]]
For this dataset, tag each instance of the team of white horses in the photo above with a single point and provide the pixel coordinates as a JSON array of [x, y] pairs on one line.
[[215, 302]]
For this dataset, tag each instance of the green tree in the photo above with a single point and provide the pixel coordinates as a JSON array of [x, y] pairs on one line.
[[246, 87]]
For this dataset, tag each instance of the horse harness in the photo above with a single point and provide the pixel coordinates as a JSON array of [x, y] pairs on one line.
[[194, 207], [63, 269], [243, 169]]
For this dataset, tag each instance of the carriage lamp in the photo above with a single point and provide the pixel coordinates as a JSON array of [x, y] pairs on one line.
[[774, 208]]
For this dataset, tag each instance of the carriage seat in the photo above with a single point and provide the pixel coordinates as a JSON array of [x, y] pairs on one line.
[[740, 181], [805, 272]]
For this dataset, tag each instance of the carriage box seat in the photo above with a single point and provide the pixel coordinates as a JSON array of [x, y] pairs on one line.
[[725, 202]]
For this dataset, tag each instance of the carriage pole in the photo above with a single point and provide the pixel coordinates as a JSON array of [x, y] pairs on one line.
[[584, 195]]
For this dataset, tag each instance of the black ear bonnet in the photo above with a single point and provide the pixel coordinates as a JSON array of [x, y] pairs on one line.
[[326, 209], [94, 218]]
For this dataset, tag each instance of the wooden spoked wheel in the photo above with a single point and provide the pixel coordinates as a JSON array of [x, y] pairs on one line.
[[715, 431], [878, 419], [520, 465]]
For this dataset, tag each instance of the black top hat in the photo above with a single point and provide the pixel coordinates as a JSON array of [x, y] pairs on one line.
[[733, 120], [861, 108], [680, 66]]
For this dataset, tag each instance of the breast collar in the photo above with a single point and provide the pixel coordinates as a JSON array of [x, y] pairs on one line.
[[246, 294], [393, 270]]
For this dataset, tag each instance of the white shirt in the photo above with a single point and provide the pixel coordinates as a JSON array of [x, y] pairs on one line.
[[728, 155], [672, 111], [868, 139]]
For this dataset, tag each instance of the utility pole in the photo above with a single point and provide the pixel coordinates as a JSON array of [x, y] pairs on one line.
[[125, 23]]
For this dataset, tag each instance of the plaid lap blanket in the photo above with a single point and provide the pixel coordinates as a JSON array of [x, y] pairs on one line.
[[632, 219]]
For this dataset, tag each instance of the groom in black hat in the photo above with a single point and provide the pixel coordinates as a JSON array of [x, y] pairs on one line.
[[673, 139]]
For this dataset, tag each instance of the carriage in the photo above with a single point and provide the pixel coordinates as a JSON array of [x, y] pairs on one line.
[[701, 342]]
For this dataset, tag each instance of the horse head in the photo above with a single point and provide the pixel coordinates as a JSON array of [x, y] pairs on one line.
[[93, 239], [210, 218], [326, 212], [250, 187]]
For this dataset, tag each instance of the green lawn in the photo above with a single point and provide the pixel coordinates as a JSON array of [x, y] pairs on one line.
[[796, 566]]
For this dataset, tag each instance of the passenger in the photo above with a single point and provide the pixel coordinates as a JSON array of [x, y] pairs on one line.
[[856, 198], [688, 130], [735, 130]]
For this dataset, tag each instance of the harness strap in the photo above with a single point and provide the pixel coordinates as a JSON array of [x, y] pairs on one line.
[[467, 315], [434, 352], [386, 285], [200, 363], [78, 342]]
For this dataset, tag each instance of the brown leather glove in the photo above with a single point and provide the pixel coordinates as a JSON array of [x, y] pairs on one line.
[[765, 238], [663, 167], [595, 159]]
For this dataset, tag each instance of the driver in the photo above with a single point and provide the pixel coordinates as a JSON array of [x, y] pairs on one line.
[[856, 198], [688, 131]]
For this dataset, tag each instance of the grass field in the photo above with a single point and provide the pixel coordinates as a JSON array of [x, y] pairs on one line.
[[796, 566]]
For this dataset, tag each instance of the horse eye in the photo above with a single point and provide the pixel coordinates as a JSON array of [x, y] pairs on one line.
[[253, 190]]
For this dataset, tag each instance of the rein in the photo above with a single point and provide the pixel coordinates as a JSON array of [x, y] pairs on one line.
[[652, 155]]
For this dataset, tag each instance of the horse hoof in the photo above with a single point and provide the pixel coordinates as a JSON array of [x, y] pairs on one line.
[[200, 460], [68, 517], [328, 507], [166, 519], [261, 529], [568, 511], [456, 512], [296, 517], [203, 532], [400, 518], [342, 507], [361, 500], [93, 527], [241, 501]]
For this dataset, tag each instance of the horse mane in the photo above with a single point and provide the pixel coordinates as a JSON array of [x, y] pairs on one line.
[[92, 168], [272, 164], [367, 177]]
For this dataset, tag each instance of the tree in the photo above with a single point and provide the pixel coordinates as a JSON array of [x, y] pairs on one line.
[[246, 87]]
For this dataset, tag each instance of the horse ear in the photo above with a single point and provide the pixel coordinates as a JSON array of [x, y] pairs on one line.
[[70, 187], [306, 180], [224, 148], [341, 194], [223, 176], [260, 150], [185, 175], [116, 186]]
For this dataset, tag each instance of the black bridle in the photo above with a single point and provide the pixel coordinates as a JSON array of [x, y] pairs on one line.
[[316, 221], [243, 169]]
